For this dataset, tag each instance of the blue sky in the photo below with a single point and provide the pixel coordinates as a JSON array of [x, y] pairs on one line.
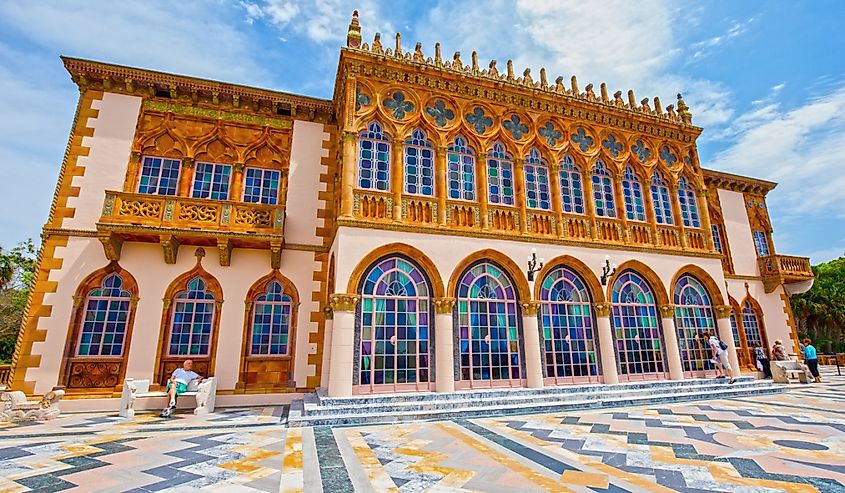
[[766, 79]]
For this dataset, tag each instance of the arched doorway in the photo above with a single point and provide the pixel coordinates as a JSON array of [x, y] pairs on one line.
[[636, 329], [489, 336], [567, 329], [693, 316]]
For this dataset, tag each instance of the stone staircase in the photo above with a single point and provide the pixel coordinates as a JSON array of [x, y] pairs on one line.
[[321, 410]]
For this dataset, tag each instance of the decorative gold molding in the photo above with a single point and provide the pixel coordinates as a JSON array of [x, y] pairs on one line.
[[602, 309], [276, 254], [667, 311], [737, 183], [443, 305], [531, 308], [170, 248], [224, 250], [722, 311], [228, 116], [341, 302], [112, 244]]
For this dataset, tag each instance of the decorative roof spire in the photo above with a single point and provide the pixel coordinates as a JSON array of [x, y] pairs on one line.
[[353, 35], [683, 110]]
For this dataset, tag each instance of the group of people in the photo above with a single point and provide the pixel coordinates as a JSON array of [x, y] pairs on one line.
[[779, 353]]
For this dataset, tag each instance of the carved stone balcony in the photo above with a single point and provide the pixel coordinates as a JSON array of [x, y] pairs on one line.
[[172, 221], [794, 273]]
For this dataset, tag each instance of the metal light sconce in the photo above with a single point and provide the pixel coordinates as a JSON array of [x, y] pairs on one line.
[[607, 270], [534, 264]]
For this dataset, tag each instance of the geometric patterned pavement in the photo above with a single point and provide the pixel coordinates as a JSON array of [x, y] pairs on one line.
[[793, 442]]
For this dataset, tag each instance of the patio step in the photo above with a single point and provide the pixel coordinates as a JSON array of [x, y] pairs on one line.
[[319, 410]]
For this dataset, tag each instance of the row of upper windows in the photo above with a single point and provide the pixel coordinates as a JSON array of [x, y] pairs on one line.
[[374, 174], [761, 241], [211, 180]]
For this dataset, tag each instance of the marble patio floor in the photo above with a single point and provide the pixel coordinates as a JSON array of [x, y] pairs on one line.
[[792, 442]]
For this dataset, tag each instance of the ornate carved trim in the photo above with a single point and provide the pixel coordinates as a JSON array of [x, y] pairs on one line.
[[722, 311], [667, 311], [443, 306], [276, 254], [602, 309], [531, 308], [112, 244], [341, 302], [224, 249], [170, 248]]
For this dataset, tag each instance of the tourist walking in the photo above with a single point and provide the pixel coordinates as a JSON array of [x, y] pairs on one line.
[[779, 352], [811, 359], [763, 363], [720, 355]]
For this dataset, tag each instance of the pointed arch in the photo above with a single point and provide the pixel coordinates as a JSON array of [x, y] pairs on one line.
[[196, 323], [505, 262], [420, 258], [537, 181], [694, 314], [704, 278], [461, 161], [104, 304], [374, 158], [753, 324], [419, 164], [501, 185], [580, 268], [645, 271], [174, 146], [632, 195], [215, 147], [571, 179], [602, 185]]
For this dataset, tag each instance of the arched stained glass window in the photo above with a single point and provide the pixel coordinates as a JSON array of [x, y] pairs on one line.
[[632, 194], [751, 324], [636, 327], [689, 207], [488, 332], [105, 321], [461, 161], [193, 314], [419, 165], [395, 330], [499, 175], [603, 191], [693, 316], [271, 319], [735, 330], [537, 181], [568, 333], [571, 189], [660, 200], [374, 159]]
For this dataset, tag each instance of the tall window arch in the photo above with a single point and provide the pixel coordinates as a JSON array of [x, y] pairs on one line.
[[632, 194], [419, 165], [105, 321], [461, 161], [639, 343], [374, 158], [660, 200], [500, 175], [568, 330], [537, 181], [751, 324], [488, 336], [571, 188], [395, 336], [193, 321], [689, 206], [270, 329], [603, 200], [693, 316]]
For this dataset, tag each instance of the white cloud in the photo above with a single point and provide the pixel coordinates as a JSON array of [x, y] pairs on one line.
[[704, 48]]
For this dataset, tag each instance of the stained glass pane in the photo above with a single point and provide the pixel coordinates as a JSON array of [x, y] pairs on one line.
[[105, 319], [632, 194], [419, 165], [571, 190], [211, 181], [500, 176], [374, 159], [159, 176], [660, 200], [190, 328], [693, 316], [537, 181], [271, 319], [751, 324], [761, 243], [636, 326], [603, 199], [689, 206], [261, 186]]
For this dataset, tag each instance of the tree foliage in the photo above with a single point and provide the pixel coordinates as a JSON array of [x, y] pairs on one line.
[[17, 269], [820, 312]]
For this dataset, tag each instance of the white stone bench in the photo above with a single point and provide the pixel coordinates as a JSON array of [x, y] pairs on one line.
[[15, 407], [204, 392], [783, 370]]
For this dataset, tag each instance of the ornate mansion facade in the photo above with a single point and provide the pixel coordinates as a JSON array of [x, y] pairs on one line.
[[377, 241]]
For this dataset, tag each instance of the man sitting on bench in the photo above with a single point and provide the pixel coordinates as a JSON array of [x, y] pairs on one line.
[[178, 385]]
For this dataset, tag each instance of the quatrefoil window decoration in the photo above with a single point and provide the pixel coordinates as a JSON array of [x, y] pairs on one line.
[[550, 133], [613, 146], [361, 98], [398, 105], [515, 127], [642, 152], [688, 159], [440, 113], [584, 141], [479, 120], [667, 156]]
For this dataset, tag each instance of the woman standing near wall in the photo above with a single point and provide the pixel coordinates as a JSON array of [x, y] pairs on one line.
[[811, 359]]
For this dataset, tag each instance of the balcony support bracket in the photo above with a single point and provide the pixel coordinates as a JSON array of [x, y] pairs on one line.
[[170, 247], [112, 244], [276, 254], [224, 249]]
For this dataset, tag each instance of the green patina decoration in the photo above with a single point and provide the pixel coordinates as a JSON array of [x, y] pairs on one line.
[[216, 114]]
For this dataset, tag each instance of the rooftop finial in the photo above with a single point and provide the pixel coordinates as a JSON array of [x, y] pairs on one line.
[[510, 71], [683, 110], [353, 34], [398, 50], [438, 61]]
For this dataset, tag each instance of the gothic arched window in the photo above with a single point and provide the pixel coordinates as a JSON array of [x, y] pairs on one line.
[[271, 321], [571, 188], [374, 159], [603, 199], [461, 162], [192, 322], [660, 200], [751, 324], [636, 327], [537, 181], [419, 165], [693, 316], [104, 324], [689, 206], [500, 175], [632, 194]]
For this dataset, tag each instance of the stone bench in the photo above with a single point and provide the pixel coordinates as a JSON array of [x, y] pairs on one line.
[[783, 370], [204, 393], [16, 408]]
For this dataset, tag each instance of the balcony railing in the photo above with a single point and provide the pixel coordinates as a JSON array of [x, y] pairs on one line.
[[784, 269], [159, 211]]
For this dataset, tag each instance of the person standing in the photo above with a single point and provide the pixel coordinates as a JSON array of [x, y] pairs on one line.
[[763, 363], [720, 355], [811, 359]]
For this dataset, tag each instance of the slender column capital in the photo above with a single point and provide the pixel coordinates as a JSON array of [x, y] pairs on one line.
[[702, 192], [667, 311], [602, 309], [328, 313], [722, 311], [341, 302], [531, 308], [349, 136], [443, 305], [441, 150]]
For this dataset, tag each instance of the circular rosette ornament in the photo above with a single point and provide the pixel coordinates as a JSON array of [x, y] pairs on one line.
[[441, 113], [584, 141], [552, 134], [614, 147], [479, 119], [642, 151], [516, 127], [399, 105]]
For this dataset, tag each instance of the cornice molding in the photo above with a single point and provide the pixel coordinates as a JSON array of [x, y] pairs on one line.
[[737, 183]]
